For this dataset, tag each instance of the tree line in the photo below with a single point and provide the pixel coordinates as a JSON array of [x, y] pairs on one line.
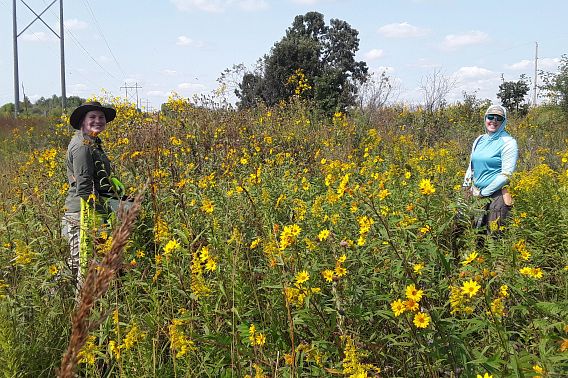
[[42, 107], [316, 62]]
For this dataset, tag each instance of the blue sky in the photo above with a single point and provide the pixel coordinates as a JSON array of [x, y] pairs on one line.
[[182, 46]]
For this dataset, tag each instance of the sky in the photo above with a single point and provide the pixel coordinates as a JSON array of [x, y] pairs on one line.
[[182, 46]]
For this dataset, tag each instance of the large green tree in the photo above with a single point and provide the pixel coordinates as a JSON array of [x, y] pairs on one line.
[[513, 93], [324, 54], [556, 84]]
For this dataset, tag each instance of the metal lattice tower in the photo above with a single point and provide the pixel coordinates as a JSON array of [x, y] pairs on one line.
[[61, 45]]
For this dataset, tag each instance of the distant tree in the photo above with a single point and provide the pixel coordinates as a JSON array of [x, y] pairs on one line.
[[374, 94], [324, 54], [43, 106], [435, 87], [513, 93], [556, 84], [472, 106], [7, 109]]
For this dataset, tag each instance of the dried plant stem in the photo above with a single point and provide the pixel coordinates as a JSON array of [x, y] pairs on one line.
[[99, 277]]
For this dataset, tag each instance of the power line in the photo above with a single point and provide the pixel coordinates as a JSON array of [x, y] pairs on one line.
[[78, 44], [102, 35]]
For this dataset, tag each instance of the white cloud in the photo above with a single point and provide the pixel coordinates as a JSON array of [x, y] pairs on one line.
[[74, 24], [169, 72], [216, 6], [39, 37], [184, 40], [402, 30], [455, 41], [473, 73], [542, 64], [374, 54], [480, 81], [548, 63]]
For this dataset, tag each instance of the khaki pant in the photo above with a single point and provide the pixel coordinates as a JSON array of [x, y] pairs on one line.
[[70, 230]]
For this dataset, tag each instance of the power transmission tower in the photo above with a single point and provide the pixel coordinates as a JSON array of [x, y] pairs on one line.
[[135, 87], [61, 46]]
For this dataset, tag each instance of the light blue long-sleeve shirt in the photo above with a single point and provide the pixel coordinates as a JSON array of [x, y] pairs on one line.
[[493, 160]]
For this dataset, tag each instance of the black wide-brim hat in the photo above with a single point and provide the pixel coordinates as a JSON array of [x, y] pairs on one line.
[[79, 113]]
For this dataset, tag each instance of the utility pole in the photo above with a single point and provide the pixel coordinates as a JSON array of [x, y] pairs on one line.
[[16, 77], [535, 72], [62, 49], [61, 43]]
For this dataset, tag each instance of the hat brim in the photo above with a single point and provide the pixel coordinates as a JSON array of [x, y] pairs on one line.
[[78, 114]]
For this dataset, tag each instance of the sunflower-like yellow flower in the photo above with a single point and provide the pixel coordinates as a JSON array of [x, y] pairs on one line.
[[421, 320], [426, 187], [413, 293], [398, 307], [470, 288]]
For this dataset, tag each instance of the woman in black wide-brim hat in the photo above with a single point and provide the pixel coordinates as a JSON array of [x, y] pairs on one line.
[[89, 173]]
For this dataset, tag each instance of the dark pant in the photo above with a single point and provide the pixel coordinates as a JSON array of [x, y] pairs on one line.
[[496, 214]]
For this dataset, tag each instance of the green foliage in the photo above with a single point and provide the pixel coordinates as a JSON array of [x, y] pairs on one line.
[[42, 107], [512, 95], [274, 243], [324, 54], [556, 84]]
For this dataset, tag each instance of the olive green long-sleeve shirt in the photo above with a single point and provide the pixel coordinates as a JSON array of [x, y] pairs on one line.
[[88, 171]]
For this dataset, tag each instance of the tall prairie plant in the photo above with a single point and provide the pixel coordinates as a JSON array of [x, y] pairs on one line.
[[276, 242]]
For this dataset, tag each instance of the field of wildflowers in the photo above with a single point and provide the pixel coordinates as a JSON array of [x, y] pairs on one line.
[[278, 243]]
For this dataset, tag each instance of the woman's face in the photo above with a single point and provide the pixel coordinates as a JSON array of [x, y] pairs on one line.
[[493, 122], [94, 122]]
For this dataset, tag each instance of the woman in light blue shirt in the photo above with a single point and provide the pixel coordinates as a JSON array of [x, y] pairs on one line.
[[493, 160]]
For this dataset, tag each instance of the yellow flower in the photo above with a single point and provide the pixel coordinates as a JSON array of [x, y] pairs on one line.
[[211, 265], [472, 256], [397, 307], [340, 271], [411, 305], [260, 339], [504, 291], [255, 243], [421, 320], [207, 206], [538, 369], [564, 345], [418, 268], [171, 246], [341, 259], [470, 288], [426, 187], [327, 275], [302, 277], [531, 272], [413, 293], [53, 270], [486, 375], [323, 235]]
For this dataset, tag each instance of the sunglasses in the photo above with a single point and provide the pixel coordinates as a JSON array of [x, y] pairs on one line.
[[495, 117]]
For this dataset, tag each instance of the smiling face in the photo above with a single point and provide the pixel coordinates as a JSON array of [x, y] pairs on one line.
[[94, 122], [493, 122]]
